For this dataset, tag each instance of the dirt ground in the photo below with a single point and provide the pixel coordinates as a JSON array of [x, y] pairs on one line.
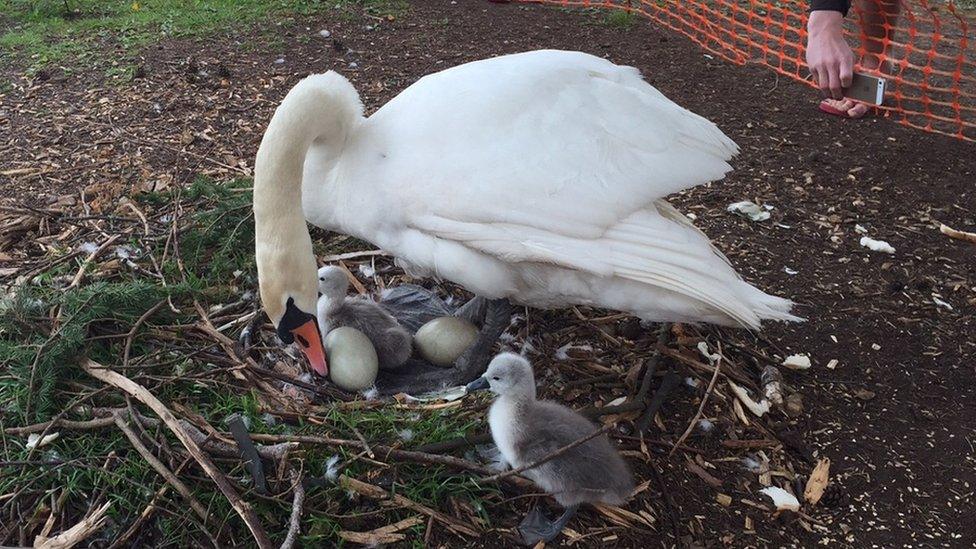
[[896, 412]]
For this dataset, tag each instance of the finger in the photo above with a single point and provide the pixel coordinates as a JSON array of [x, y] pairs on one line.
[[835, 88], [846, 71], [823, 82]]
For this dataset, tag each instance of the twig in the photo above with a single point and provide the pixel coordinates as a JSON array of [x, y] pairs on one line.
[[74, 535], [375, 492], [403, 455], [129, 337], [552, 455], [97, 423], [88, 260], [99, 372], [297, 504], [353, 255], [160, 468], [701, 406]]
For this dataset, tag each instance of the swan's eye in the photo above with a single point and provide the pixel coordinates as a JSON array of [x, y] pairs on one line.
[[496, 378]]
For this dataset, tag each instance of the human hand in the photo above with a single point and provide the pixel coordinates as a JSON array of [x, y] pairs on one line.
[[830, 59]]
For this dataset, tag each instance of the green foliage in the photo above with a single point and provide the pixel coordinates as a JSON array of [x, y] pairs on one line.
[[621, 19], [50, 31]]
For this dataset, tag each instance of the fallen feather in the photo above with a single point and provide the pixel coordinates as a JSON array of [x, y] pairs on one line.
[[757, 408], [783, 500], [859, 229], [450, 394], [705, 425], [797, 362], [332, 468], [562, 353], [817, 482], [617, 401], [711, 357], [790, 271], [406, 435], [749, 209], [35, 440], [876, 245]]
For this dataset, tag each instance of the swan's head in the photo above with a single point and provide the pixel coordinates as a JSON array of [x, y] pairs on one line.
[[289, 293], [508, 374]]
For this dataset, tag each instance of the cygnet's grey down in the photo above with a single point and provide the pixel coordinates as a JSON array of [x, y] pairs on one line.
[[527, 430], [393, 343]]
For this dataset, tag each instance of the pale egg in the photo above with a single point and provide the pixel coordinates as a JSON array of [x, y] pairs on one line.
[[352, 359], [442, 340]]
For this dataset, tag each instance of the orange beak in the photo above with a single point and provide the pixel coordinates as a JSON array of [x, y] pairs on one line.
[[308, 338]]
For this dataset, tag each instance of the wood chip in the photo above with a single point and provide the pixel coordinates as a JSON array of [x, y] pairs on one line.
[[817, 482]]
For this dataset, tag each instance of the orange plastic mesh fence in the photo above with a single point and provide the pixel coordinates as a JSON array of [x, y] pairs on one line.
[[927, 48]]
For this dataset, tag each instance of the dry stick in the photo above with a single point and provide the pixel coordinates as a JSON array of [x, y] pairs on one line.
[[404, 455], [553, 455], [160, 468], [298, 502], [375, 492], [129, 337], [88, 260], [99, 372], [97, 423], [701, 407], [136, 526]]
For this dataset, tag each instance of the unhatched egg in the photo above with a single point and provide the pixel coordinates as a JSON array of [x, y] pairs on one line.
[[442, 340], [352, 359]]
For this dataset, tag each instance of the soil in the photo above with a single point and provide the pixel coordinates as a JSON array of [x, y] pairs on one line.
[[896, 415]]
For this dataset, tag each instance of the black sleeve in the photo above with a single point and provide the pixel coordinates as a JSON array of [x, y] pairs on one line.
[[831, 5]]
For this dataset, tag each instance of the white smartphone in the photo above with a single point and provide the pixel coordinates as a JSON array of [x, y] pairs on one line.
[[866, 88]]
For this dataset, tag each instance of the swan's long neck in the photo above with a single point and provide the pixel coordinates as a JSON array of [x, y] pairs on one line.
[[321, 108]]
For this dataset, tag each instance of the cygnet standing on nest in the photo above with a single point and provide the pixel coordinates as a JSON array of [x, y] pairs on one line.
[[527, 430], [393, 343]]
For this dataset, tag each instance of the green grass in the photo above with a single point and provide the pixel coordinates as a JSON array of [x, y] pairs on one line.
[[620, 19], [216, 244], [52, 31]]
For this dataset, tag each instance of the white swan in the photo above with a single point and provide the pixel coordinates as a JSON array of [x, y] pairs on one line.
[[537, 178]]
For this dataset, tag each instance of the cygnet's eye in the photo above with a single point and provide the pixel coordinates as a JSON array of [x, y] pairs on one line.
[[496, 378]]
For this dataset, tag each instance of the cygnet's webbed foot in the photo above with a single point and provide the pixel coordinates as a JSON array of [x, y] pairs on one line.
[[535, 527]]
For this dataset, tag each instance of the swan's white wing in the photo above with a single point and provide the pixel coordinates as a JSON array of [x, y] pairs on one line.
[[559, 141], [561, 158]]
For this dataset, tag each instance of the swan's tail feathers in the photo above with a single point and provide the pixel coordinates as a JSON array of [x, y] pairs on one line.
[[320, 107], [669, 253]]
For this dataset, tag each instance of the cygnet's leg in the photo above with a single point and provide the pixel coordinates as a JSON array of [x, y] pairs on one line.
[[473, 362], [535, 527]]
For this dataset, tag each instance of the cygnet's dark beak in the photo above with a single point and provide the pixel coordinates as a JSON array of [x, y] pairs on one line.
[[477, 385]]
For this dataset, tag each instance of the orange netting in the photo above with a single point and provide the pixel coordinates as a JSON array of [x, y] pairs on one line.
[[928, 47]]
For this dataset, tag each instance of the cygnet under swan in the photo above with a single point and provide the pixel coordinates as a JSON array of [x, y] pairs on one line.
[[527, 430], [392, 342]]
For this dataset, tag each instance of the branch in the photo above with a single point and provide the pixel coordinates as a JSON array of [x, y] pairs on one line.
[[99, 372], [160, 468]]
